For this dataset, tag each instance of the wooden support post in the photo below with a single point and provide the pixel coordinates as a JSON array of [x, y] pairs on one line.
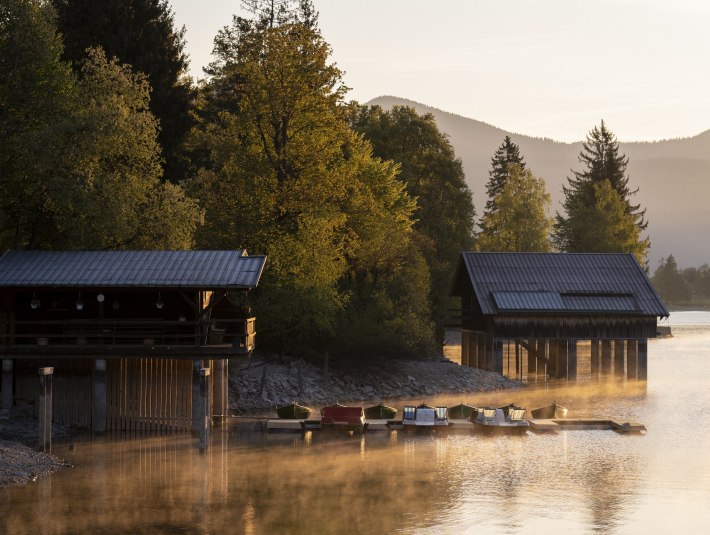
[[619, 359], [497, 355], [562, 356], [473, 350], [220, 385], [606, 357], [481, 343], [205, 410], [98, 420], [643, 359], [542, 366], [595, 358], [7, 380], [631, 359], [532, 358], [464, 349], [196, 406], [552, 359], [572, 360], [45, 409]]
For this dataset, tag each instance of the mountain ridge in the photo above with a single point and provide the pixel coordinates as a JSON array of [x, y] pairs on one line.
[[672, 176]]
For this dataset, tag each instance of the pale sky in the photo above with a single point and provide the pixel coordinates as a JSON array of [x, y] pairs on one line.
[[546, 68]]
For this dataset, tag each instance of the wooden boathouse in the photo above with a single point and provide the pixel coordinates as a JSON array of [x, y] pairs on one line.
[[535, 310], [126, 332]]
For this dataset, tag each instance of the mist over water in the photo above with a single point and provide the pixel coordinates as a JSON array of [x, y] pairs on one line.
[[252, 483]]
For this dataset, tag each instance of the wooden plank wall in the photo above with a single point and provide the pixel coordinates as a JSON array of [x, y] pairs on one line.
[[149, 394], [72, 388]]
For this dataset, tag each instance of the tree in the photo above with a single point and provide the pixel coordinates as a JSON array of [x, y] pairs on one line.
[[36, 95], [140, 33], [602, 226], [435, 177], [600, 155], [519, 223], [669, 283], [119, 201], [506, 155], [282, 173]]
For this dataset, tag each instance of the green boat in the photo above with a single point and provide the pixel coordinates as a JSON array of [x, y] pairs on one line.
[[380, 412], [293, 411], [460, 412]]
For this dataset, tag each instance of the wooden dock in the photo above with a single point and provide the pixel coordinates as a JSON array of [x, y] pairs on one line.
[[456, 425], [585, 424]]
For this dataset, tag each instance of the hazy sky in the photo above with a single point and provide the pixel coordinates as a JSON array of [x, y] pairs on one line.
[[549, 68]]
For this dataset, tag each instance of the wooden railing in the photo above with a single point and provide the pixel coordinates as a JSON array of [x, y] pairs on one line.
[[227, 335]]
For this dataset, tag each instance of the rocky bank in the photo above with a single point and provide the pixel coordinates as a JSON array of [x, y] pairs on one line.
[[19, 462], [261, 384]]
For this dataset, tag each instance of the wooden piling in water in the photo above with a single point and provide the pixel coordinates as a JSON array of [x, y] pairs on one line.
[[7, 390], [100, 399], [205, 410], [45, 409]]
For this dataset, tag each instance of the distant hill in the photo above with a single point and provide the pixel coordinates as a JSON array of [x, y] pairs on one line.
[[673, 177]]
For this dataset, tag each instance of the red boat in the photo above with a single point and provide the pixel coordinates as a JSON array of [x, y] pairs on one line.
[[343, 417]]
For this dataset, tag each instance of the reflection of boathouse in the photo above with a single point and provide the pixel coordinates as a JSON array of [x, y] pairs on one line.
[[534, 309], [125, 331]]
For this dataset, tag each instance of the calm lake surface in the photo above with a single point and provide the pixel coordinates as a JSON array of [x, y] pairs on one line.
[[380, 483]]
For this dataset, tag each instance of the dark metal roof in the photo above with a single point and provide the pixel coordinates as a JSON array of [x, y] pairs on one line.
[[599, 283], [136, 269]]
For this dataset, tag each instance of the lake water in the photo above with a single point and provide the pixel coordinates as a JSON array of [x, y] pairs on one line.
[[381, 483]]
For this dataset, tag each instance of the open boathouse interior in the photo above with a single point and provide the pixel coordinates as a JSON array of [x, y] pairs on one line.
[[126, 332], [552, 316]]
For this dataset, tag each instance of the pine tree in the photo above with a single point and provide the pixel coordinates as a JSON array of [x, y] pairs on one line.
[[506, 155], [142, 34], [669, 283], [603, 164]]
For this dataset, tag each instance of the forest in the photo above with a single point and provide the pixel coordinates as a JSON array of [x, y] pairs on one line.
[[107, 143]]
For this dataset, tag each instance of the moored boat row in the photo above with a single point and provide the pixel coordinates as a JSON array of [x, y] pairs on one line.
[[510, 419]]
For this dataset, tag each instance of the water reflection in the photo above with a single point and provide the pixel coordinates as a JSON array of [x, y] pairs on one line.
[[401, 482]]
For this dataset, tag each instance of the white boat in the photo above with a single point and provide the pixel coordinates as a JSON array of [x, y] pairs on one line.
[[424, 416], [504, 420]]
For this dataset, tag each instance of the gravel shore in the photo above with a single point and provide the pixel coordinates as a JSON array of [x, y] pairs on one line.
[[259, 385], [19, 462]]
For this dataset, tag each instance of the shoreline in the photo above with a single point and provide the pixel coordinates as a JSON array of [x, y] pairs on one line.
[[260, 384]]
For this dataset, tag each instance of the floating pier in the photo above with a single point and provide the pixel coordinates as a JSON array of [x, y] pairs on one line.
[[585, 424]]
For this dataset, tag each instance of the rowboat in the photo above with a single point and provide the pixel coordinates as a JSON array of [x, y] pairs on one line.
[[460, 411], [293, 411], [549, 412], [504, 420], [380, 412], [342, 417]]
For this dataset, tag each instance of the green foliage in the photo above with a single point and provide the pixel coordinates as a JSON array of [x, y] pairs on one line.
[[585, 228], [282, 173], [80, 162], [434, 176], [669, 283], [603, 226], [36, 94], [506, 155], [142, 34], [114, 161], [519, 222]]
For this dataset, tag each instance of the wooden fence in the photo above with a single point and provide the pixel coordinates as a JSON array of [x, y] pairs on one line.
[[149, 394]]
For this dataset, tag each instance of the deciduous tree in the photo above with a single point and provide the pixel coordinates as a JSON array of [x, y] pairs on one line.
[[519, 222]]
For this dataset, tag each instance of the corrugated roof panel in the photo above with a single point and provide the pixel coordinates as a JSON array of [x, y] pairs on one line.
[[564, 273], [528, 301], [197, 269]]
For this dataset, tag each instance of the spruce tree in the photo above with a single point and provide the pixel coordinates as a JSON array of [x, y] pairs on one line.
[[603, 164], [142, 34], [506, 155]]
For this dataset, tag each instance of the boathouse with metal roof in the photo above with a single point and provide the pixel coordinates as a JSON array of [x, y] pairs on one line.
[[126, 332], [534, 311]]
